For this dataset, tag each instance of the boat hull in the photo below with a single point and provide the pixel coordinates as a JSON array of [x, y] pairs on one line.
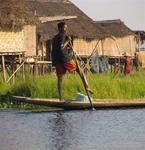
[[79, 105]]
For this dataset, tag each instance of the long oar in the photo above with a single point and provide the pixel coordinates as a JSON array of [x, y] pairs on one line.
[[79, 70]]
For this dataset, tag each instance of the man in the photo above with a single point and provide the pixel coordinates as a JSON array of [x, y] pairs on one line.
[[63, 57], [127, 64]]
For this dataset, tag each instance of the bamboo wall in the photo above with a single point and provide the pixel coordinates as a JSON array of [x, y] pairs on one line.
[[85, 48], [108, 46], [11, 41], [117, 46], [24, 40]]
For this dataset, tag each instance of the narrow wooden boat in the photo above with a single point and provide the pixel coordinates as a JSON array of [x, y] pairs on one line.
[[78, 105]]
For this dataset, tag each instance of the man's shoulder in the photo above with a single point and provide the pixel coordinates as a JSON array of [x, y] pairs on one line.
[[60, 35], [56, 36]]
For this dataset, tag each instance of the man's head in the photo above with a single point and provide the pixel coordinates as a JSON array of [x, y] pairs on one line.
[[62, 27], [126, 54]]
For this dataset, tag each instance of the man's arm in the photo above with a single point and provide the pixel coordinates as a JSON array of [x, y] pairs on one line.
[[65, 41]]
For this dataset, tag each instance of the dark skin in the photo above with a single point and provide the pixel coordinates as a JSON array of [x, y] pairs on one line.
[[64, 30]]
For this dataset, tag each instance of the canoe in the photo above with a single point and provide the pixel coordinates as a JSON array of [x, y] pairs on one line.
[[78, 105]]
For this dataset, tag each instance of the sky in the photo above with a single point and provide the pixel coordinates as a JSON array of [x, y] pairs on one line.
[[131, 12]]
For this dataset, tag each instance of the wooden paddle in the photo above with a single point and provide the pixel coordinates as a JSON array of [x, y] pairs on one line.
[[81, 74]]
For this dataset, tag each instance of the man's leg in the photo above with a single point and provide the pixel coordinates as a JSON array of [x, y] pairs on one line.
[[60, 71], [59, 85]]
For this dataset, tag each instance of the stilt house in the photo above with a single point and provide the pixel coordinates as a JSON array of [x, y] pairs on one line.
[[81, 27], [119, 38], [17, 29]]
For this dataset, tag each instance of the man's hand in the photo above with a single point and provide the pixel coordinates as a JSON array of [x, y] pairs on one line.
[[68, 39]]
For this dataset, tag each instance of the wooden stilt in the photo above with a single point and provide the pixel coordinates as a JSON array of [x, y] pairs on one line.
[[12, 71], [35, 69], [23, 70], [3, 68], [43, 47]]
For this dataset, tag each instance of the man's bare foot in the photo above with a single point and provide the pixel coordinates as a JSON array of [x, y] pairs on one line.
[[61, 99]]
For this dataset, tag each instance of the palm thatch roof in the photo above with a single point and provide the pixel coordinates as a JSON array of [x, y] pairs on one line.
[[81, 26], [14, 15], [115, 28]]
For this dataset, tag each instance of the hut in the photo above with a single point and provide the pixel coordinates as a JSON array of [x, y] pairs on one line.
[[17, 28], [17, 34], [119, 38], [106, 38], [86, 37]]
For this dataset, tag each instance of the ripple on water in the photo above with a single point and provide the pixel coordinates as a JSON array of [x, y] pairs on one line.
[[73, 130]]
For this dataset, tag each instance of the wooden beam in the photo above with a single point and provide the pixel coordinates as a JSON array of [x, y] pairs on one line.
[[16, 71], [12, 53], [55, 18]]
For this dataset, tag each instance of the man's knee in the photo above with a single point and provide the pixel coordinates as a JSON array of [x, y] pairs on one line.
[[59, 77]]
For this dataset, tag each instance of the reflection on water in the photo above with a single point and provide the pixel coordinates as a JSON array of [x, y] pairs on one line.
[[73, 130], [61, 132]]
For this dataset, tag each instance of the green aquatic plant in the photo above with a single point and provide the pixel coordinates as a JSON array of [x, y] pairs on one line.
[[104, 85]]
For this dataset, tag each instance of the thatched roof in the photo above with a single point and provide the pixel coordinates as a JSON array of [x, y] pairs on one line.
[[14, 15], [115, 28], [82, 26]]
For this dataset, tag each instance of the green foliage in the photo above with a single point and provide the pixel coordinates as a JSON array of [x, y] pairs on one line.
[[131, 86], [4, 88], [105, 86]]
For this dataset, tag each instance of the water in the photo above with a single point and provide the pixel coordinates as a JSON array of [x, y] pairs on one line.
[[73, 130]]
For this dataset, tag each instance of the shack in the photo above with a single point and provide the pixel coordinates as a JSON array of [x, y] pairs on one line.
[[17, 28], [17, 33], [119, 38], [86, 37]]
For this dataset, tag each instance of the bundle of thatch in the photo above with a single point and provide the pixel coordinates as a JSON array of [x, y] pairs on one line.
[[14, 15]]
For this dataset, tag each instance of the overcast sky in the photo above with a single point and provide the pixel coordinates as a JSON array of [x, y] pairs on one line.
[[131, 12]]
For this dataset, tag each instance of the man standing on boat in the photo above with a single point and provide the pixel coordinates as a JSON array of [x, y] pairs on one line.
[[63, 57]]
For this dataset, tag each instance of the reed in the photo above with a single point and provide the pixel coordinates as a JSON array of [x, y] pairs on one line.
[[105, 86]]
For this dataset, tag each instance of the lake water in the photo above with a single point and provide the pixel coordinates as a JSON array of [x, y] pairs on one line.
[[122, 129]]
